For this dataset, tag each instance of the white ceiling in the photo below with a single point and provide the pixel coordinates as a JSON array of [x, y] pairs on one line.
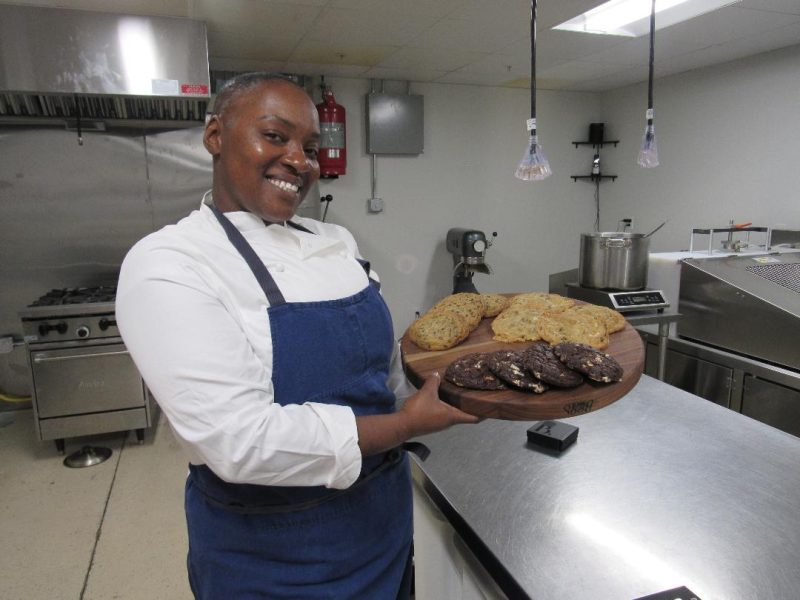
[[482, 42]]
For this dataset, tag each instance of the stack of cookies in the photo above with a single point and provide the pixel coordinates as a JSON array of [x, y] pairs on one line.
[[452, 319], [534, 369], [556, 319]]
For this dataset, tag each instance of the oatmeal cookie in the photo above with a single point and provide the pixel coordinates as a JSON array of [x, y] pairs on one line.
[[438, 331], [543, 302], [471, 306], [495, 304], [565, 327], [613, 320], [516, 324]]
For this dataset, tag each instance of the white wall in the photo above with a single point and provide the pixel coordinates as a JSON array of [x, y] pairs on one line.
[[729, 146], [474, 138]]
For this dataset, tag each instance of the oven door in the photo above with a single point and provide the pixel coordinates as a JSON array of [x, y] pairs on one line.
[[85, 379]]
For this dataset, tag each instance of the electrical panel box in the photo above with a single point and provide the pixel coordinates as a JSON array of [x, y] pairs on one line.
[[394, 124]]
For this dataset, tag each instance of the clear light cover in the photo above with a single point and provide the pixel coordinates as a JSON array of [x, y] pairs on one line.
[[534, 165], [648, 151]]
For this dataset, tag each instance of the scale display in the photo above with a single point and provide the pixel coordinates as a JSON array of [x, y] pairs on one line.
[[640, 300]]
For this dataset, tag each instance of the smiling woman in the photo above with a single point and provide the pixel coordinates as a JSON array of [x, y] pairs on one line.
[[271, 143], [267, 343]]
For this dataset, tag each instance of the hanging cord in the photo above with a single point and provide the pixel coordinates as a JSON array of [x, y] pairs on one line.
[[652, 62], [78, 120], [533, 59], [597, 204]]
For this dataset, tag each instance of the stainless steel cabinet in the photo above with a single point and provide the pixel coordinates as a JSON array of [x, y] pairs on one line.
[[772, 403], [695, 375], [760, 390]]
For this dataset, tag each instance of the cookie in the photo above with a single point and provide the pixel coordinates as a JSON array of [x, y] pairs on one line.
[[510, 368], [516, 324], [596, 365], [543, 302], [438, 331], [570, 327], [540, 360], [613, 320], [472, 371], [495, 304], [470, 306]]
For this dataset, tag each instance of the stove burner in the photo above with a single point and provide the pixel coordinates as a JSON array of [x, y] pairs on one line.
[[81, 295]]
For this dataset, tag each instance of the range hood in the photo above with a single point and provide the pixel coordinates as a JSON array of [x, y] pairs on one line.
[[74, 65]]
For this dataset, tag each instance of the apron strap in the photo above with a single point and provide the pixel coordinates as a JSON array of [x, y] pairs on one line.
[[262, 275]]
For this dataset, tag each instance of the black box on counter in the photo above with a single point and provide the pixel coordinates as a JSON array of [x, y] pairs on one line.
[[552, 434]]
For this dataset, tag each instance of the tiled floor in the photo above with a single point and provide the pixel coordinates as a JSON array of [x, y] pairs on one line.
[[112, 531]]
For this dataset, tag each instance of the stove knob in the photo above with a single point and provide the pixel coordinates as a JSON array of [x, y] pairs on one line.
[[82, 331], [46, 327]]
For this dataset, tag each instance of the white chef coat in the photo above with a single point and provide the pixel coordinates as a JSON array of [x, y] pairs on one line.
[[194, 320]]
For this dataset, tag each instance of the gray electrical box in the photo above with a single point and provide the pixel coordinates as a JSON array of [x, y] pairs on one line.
[[394, 124]]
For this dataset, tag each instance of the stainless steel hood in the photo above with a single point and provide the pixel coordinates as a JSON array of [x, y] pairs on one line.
[[73, 64]]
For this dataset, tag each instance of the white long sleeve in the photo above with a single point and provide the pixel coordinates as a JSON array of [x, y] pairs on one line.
[[195, 321]]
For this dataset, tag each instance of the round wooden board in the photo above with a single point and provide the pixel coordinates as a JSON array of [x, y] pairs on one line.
[[626, 346]]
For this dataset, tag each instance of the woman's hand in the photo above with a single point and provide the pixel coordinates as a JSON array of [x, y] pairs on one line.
[[422, 413], [426, 413]]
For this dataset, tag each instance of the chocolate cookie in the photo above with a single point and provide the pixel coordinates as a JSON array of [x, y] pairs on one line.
[[596, 365], [510, 367], [472, 371], [540, 360]]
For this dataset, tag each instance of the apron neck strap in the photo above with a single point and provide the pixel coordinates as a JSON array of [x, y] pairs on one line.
[[262, 275]]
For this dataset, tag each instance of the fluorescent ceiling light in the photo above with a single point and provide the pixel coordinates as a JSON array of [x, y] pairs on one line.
[[631, 18]]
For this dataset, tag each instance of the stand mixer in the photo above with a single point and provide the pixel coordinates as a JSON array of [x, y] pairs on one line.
[[468, 247]]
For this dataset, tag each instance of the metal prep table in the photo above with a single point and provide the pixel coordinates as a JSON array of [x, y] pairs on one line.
[[662, 489]]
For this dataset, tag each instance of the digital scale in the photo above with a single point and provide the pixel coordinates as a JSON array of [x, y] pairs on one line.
[[622, 301]]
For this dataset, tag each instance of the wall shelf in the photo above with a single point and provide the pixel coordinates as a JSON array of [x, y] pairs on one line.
[[593, 177], [597, 144]]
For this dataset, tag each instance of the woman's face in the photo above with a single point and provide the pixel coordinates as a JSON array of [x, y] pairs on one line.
[[265, 146]]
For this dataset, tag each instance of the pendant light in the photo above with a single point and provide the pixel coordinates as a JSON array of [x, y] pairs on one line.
[[534, 165], [648, 151]]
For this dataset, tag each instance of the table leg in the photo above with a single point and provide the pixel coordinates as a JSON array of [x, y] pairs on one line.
[[663, 334]]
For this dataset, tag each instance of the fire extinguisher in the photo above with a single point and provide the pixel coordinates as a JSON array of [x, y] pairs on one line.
[[333, 149]]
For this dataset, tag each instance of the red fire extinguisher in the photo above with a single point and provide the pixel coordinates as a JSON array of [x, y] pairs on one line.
[[333, 148]]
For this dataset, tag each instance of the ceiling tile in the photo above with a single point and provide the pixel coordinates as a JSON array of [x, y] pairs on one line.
[[430, 59], [248, 45], [325, 69], [417, 74], [424, 10], [244, 64], [264, 17], [365, 27], [340, 54], [717, 28], [791, 7]]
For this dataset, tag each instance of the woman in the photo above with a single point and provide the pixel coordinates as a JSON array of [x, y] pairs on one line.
[[266, 342]]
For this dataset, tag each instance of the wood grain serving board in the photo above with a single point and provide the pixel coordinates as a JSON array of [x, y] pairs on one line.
[[626, 346]]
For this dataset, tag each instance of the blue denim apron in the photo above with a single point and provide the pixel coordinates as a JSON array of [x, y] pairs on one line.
[[253, 541]]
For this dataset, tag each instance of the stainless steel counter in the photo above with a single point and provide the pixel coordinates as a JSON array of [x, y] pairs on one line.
[[662, 489]]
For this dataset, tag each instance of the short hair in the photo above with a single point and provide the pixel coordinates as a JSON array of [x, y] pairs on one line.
[[240, 83]]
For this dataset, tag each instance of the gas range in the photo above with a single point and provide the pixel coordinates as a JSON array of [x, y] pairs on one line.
[[83, 379], [71, 314]]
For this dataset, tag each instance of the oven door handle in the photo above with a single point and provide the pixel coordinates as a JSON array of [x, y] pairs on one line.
[[40, 359]]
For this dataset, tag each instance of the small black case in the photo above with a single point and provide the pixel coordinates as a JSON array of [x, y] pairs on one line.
[[552, 434]]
